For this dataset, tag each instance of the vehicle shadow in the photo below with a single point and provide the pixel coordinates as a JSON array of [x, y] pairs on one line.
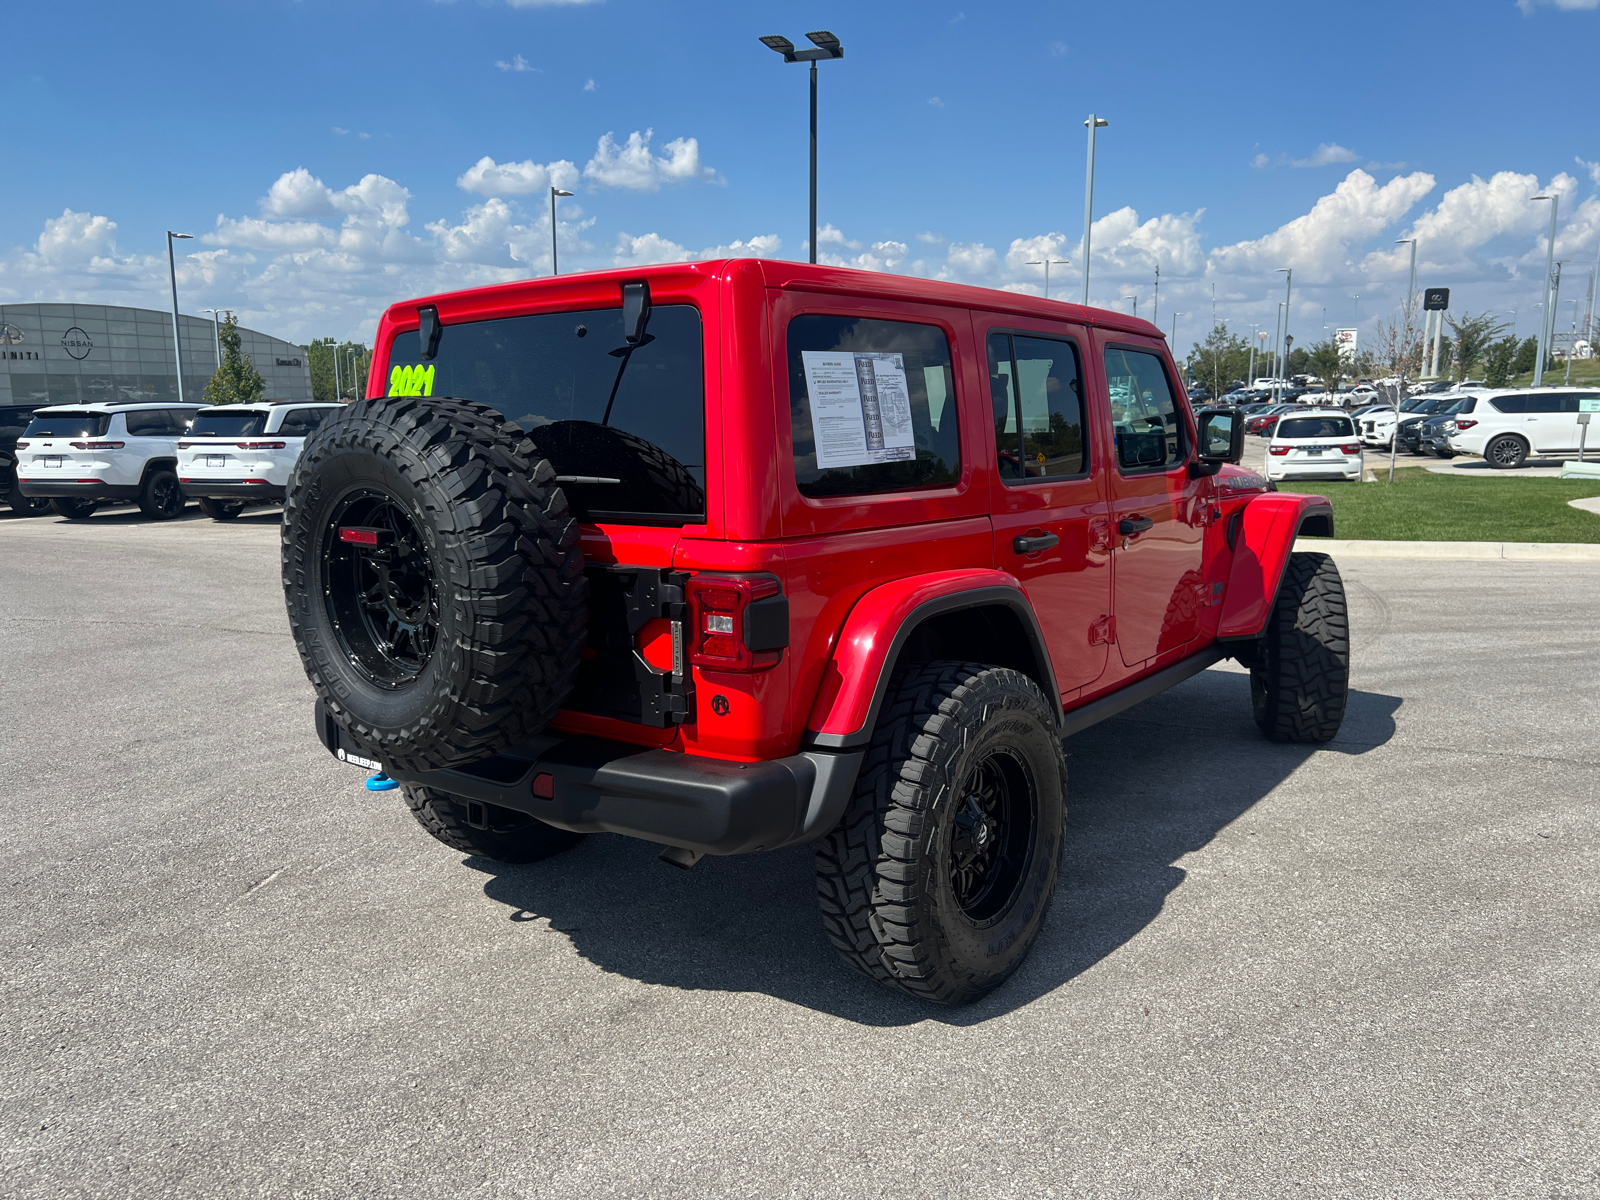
[[121, 514], [1145, 789]]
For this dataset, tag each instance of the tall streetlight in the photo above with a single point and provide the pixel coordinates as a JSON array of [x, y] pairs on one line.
[[1175, 317], [1568, 380], [1155, 302], [1405, 348], [1513, 313], [1250, 374], [1046, 263], [1288, 289], [216, 335], [177, 341], [1093, 123], [827, 46], [1277, 344], [554, 192], [1547, 323]]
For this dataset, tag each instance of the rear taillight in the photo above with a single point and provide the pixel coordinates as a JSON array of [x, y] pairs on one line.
[[23, 445], [1350, 448], [738, 623], [94, 445], [1277, 449], [262, 445], [1461, 423]]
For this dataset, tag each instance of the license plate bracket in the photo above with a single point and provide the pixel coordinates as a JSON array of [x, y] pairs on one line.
[[50, 460], [216, 460]]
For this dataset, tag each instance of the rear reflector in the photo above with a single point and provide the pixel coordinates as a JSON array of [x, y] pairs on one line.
[[544, 786], [88, 481], [359, 537], [252, 481]]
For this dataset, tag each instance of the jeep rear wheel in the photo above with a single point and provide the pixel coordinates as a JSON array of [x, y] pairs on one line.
[[74, 509], [486, 830], [160, 498], [1301, 677], [221, 510], [433, 578], [938, 878]]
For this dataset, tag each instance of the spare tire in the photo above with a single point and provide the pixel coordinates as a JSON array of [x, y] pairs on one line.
[[433, 578]]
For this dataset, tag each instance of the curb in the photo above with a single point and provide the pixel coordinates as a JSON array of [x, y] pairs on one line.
[[1458, 551]]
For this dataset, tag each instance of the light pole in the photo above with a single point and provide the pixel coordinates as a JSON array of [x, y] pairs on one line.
[[338, 385], [1277, 360], [177, 341], [1155, 301], [827, 46], [216, 336], [1093, 123], [1250, 375], [1175, 317], [1405, 349], [1567, 382], [554, 192], [1046, 263], [1546, 323], [1513, 313], [1288, 289]]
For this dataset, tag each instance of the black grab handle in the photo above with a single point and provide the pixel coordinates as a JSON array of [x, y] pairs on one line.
[[1129, 526]]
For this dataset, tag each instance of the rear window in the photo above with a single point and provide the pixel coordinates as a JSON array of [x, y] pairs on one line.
[[872, 405], [14, 420], [245, 424], [1467, 405], [69, 424], [1315, 427], [624, 431]]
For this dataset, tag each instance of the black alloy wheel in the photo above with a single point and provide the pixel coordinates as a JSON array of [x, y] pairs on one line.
[[74, 509], [161, 498], [990, 843], [1506, 452], [381, 593], [27, 506]]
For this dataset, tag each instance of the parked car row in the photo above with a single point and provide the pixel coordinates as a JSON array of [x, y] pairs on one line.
[[73, 458]]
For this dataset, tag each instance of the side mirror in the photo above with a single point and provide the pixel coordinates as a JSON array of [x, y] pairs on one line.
[[635, 311], [429, 331], [1221, 438]]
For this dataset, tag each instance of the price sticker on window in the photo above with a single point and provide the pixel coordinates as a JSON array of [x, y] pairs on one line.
[[1589, 404]]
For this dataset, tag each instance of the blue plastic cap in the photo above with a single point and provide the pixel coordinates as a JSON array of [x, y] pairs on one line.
[[382, 783]]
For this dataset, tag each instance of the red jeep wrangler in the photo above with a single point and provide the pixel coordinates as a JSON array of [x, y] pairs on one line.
[[732, 556]]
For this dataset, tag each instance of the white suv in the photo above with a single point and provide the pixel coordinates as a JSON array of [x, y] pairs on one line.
[[238, 454], [1320, 444], [1506, 427], [80, 456]]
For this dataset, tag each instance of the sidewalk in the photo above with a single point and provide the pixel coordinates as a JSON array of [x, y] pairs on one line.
[[1480, 551]]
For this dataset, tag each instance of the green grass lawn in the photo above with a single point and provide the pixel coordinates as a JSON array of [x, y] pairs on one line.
[[1420, 506], [1585, 372]]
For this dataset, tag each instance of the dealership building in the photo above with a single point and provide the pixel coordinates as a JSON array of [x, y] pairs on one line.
[[90, 353]]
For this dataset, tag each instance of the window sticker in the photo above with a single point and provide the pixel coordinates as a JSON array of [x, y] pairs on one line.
[[860, 408]]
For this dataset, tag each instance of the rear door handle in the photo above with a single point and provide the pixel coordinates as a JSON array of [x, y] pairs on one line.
[[1033, 545], [1129, 526]]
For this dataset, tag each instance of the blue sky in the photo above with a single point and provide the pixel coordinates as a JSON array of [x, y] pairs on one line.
[[339, 155]]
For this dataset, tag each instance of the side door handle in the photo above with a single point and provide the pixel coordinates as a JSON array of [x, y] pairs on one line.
[[1129, 526], [1033, 545]]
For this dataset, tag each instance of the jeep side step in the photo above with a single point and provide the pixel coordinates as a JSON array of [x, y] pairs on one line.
[[1078, 719]]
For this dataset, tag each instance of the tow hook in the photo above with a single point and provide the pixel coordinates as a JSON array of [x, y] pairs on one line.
[[381, 783], [678, 857]]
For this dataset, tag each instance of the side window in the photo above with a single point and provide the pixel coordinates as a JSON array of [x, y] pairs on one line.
[[1509, 404], [150, 422], [1144, 414], [301, 421], [1543, 403], [1034, 383], [872, 405], [179, 420]]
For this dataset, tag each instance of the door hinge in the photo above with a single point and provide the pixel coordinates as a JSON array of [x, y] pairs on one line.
[[1103, 632]]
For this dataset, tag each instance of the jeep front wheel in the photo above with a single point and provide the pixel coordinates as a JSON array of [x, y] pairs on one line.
[[433, 578], [486, 830], [938, 878], [1300, 679]]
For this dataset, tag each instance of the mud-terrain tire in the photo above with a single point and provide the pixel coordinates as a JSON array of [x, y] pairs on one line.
[[1506, 452], [73, 508], [511, 836], [908, 897], [160, 497], [463, 636], [221, 510], [649, 479], [1300, 680]]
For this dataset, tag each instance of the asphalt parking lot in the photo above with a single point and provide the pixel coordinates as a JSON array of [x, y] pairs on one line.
[[1365, 970]]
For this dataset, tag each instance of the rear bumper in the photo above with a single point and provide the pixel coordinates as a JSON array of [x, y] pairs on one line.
[[706, 805], [38, 488], [200, 488]]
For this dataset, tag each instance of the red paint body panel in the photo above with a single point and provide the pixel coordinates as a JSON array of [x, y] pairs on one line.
[[854, 567], [1266, 538], [861, 655]]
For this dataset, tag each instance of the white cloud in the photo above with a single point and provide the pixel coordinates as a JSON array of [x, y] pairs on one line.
[[634, 167], [77, 238], [1326, 154], [298, 193], [1592, 167], [1260, 162], [1527, 6], [518, 63], [650, 248], [550, 3], [258, 234], [935, 101], [1058, 49], [489, 178], [589, 86]]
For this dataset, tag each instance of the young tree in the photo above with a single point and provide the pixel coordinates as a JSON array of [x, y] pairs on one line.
[[320, 355], [1473, 337], [1219, 360], [1527, 357], [237, 381], [1327, 361], [1498, 361]]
